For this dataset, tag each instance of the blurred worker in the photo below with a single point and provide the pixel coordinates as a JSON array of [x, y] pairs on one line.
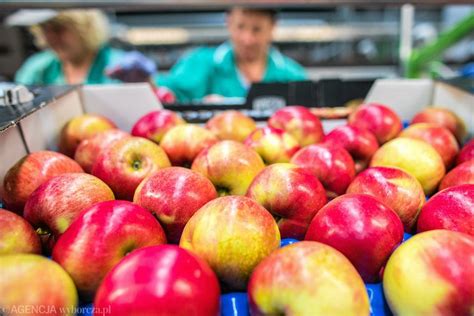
[[229, 69], [76, 52]]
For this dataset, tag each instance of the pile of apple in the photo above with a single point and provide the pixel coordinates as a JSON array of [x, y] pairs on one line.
[[163, 220]]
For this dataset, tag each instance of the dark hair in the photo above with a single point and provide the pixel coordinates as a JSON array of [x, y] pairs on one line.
[[272, 13]]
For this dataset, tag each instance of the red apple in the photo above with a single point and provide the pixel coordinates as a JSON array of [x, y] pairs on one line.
[[307, 278], [442, 117], [80, 128], [55, 204], [159, 280], [415, 157], [292, 194], [272, 144], [125, 163], [431, 274], [90, 148], [395, 188], [173, 195], [364, 229], [232, 234], [333, 166], [100, 237], [461, 174], [466, 153], [17, 235], [231, 166], [34, 285], [30, 172], [183, 143], [155, 124], [231, 125], [359, 142], [379, 119], [451, 209], [300, 123], [437, 136]]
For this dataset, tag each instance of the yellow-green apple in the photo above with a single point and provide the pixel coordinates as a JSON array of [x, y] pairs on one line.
[[395, 188], [17, 235], [55, 204], [379, 119], [461, 174], [431, 274], [125, 163], [173, 195], [451, 209], [300, 123], [359, 142], [30, 172], [231, 125], [333, 166], [183, 143], [34, 285], [443, 117], [90, 148], [80, 128], [155, 124], [274, 145], [100, 237], [364, 229], [307, 278], [232, 234], [442, 140], [466, 153], [414, 156], [231, 166], [292, 194], [159, 280]]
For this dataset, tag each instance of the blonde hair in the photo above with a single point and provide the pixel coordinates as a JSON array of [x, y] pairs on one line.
[[91, 26]]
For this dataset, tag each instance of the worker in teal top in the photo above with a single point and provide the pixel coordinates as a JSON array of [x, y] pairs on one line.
[[76, 52], [229, 69]]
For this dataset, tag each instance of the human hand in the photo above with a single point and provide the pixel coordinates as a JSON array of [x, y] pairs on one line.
[[132, 67]]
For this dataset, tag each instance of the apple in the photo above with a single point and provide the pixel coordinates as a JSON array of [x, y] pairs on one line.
[[159, 280], [90, 148], [461, 174], [442, 117], [100, 237], [232, 234], [55, 204], [272, 144], [17, 235], [80, 128], [300, 123], [437, 136], [231, 125], [231, 166], [466, 153], [379, 119], [125, 163], [292, 194], [333, 166], [183, 143], [431, 274], [359, 142], [307, 278], [451, 209], [30, 172], [155, 124], [364, 229], [395, 188], [173, 195], [415, 157], [34, 285]]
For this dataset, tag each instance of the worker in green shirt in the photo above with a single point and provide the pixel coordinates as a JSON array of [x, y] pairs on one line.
[[232, 67]]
